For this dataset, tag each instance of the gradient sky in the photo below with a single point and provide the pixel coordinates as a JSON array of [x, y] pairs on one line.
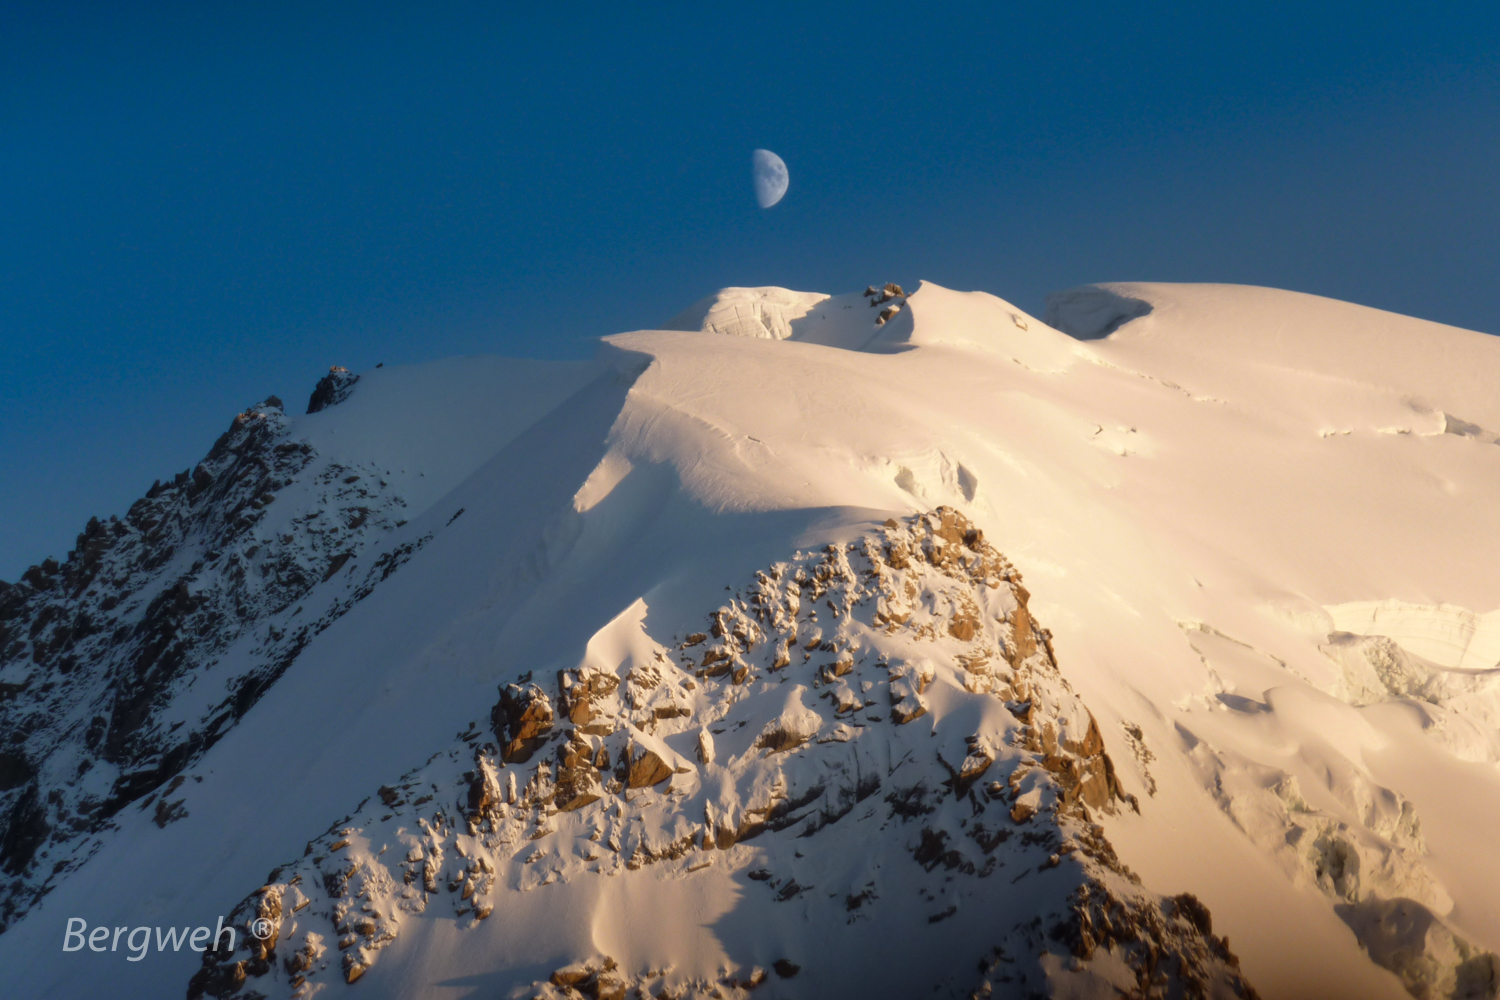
[[200, 205]]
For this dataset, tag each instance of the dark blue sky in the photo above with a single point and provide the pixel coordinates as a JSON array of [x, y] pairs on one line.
[[200, 205]]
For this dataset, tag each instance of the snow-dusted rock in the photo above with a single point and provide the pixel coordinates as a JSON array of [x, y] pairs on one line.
[[581, 820], [1252, 524]]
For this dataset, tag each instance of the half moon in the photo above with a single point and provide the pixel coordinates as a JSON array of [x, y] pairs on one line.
[[770, 175]]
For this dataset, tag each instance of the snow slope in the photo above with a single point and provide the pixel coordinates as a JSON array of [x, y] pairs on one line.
[[1254, 529]]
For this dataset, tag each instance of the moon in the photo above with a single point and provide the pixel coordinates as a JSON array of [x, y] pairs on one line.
[[771, 178]]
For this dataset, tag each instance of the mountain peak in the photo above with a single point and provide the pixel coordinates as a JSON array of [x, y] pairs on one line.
[[331, 389]]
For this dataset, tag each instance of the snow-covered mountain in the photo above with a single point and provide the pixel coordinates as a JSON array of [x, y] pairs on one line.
[[707, 669]]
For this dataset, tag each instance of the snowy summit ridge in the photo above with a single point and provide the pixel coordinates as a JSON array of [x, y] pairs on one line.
[[707, 669]]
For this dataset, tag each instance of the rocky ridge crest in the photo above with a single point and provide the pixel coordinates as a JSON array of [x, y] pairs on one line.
[[96, 650], [856, 721]]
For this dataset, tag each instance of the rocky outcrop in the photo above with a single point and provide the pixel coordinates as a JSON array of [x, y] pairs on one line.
[[646, 768], [332, 389], [522, 719], [892, 298], [811, 662]]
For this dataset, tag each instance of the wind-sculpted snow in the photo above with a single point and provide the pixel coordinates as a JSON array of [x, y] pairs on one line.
[[872, 740], [102, 655]]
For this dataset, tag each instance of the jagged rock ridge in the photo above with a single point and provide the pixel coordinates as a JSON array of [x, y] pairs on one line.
[[880, 715], [97, 650]]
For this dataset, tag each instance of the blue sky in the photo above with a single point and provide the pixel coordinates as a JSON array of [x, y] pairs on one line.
[[202, 204]]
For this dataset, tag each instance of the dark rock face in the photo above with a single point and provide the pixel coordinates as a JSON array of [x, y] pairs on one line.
[[96, 647], [15, 771], [332, 389], [25, 830]]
